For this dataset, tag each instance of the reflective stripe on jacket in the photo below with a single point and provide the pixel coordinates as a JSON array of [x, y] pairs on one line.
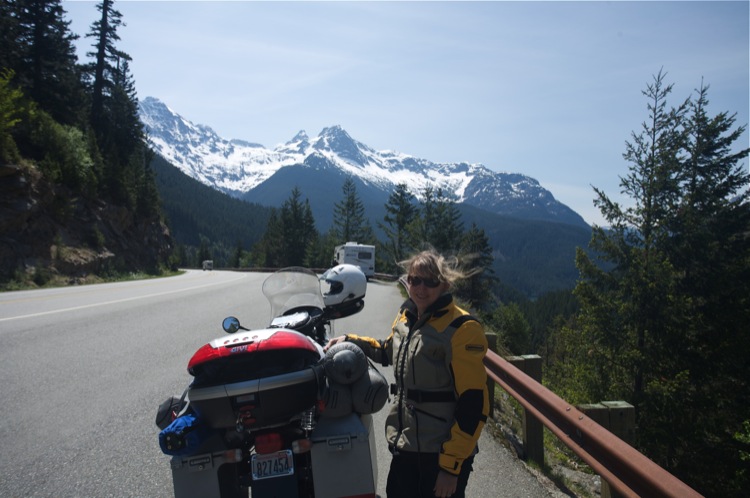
[[441, 400]]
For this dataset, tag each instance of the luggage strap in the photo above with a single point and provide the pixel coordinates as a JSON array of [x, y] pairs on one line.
[[421, 396]]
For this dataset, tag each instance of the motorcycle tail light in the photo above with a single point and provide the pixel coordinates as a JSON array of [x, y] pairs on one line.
[[269, 443], [301, 446]]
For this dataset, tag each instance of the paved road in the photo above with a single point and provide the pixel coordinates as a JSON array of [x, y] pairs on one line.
[[83, 369]]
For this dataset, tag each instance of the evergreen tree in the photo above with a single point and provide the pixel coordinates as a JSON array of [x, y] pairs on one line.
[[662, 322], [440, 224], [126, 131], [204, 252], [10, 116], [477, 288], [120, 136], [147, 194], [400, 213], [10, 34], [105, 67], [45, 58], [349, 220], [710, 251], [298, 234], [420, 227], [267, 252], [321, 253], [639, 288], [236, 261], [514, 331]]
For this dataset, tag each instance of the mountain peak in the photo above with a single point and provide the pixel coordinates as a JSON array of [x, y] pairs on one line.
[[301, 136], [245, 170], [296, 145], [336, 140], [333, 131]]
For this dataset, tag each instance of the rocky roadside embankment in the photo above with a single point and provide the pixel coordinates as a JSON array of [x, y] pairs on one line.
[[45, 228]]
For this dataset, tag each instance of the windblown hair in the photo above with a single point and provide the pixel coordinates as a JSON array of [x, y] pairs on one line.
[[433, 264]]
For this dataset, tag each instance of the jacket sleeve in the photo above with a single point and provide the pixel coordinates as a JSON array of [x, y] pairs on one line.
[[376, 350], [469, 346]]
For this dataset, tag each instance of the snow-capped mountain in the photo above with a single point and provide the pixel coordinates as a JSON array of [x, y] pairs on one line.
[[320, 164]]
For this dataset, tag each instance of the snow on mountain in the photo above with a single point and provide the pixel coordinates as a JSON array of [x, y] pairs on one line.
[[237, 167]]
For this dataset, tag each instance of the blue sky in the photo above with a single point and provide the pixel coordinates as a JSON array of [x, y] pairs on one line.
[[547, 89]]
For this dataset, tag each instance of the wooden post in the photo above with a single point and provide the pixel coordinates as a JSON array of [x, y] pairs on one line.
[[492, 345], [618, 417], [621, 420], [533, 429]]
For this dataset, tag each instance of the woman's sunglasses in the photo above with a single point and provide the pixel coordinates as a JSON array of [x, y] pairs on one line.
[[416, 281]]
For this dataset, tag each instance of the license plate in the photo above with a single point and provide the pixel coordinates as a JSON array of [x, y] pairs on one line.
[[270, 465]]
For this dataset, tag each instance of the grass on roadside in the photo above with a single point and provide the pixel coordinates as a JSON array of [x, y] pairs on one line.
[[42, 278]]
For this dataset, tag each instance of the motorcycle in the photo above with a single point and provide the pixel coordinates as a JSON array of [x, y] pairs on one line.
[[268, 411]]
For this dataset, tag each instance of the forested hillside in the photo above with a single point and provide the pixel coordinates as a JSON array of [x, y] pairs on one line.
[[79, 198], [531, 256], [200, 216]]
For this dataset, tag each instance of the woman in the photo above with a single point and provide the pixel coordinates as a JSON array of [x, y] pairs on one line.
[[440, 400]]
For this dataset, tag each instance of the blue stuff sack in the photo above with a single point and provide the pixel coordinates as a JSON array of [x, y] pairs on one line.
[[183, 436]]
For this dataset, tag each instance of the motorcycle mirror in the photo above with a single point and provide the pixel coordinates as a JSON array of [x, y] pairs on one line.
[[231, 325]]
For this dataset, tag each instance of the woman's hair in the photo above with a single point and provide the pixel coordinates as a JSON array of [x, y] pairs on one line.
[[431, 263]]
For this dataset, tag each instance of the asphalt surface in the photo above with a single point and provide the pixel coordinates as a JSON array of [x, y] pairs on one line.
[[83, 370]]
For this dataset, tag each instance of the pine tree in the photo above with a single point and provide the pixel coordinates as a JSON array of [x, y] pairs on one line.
[[120, 135], [147, 194], [349, 220], [663, 320], [401, 212], [204, 252], [638, 290], [10, 116], [710, 251], [440, 224], [10, 34], [514, 331], [475, 249], [107, 57], [297, 230], [45, 58], [236, 261], [268, 251], [321, 253]]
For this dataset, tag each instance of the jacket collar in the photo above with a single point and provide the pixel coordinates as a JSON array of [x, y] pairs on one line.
[[436, 309]]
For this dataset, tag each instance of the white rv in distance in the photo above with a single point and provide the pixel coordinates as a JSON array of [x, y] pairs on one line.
[[360, 255]]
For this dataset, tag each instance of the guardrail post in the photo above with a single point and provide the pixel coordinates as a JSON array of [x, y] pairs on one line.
[[533, 430], [618, 417], [628, 471], [492, 345]]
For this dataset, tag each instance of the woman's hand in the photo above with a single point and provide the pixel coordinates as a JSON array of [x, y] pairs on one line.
[[333, 341], [445, 484]]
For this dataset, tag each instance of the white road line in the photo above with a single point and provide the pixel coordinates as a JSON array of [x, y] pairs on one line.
[[63, 310]]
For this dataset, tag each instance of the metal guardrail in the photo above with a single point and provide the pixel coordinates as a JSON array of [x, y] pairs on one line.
[[628, 471]]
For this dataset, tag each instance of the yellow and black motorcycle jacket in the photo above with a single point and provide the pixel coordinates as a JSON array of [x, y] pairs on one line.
[[440, 400]]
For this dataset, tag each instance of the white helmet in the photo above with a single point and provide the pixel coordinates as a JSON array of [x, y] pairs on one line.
[[347, 284]]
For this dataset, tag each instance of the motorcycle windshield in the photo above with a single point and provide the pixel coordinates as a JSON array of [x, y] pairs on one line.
[[291, 288]]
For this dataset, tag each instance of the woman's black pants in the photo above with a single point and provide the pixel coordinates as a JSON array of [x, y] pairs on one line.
[[413, 475]]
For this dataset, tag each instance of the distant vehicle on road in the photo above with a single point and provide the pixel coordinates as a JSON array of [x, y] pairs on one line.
[[208, 265], [360, 255]]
